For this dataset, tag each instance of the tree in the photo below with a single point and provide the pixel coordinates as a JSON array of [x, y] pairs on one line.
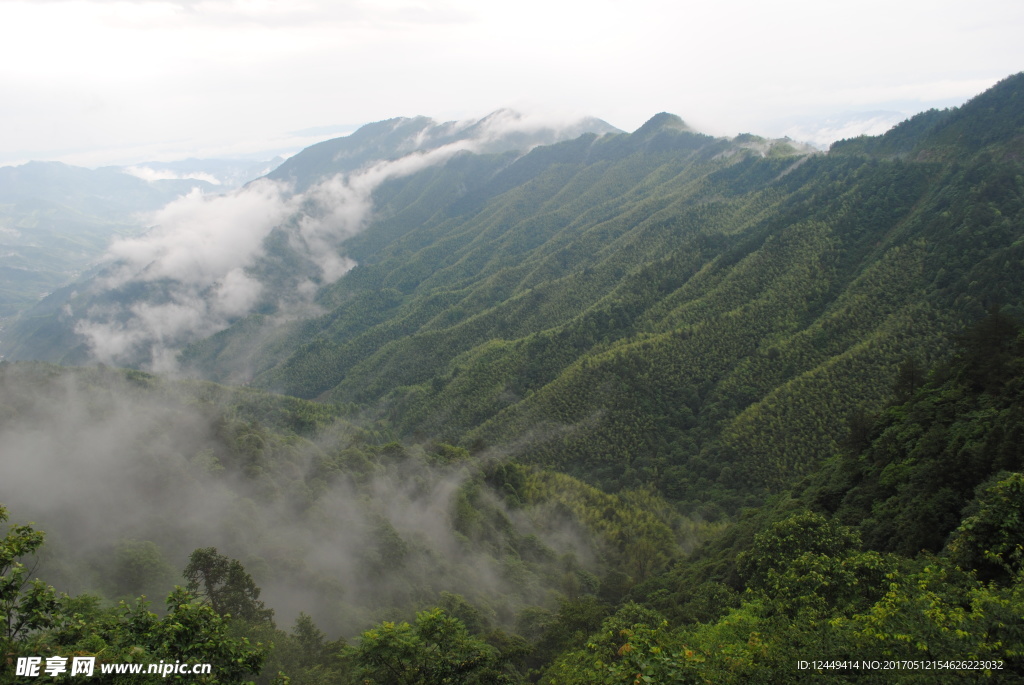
[[438, 649], [306, 656], [224, 583], [804, 532], [909, 378], [25, 605], [139, 569], [190, 632], [35, 620], [987, 347], [991, 539], [635, 645], [193, 632]]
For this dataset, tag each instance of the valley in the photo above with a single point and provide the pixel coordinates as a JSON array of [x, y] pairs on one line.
[[495, 402]]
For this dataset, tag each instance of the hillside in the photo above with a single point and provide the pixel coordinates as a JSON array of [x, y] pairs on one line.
[[331, 515], [265, 248], [617, 408], [658, 307]]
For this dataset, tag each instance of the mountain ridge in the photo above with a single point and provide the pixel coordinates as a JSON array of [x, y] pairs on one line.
[[494, 293], [988, 118], [391, 139], [649, 405]]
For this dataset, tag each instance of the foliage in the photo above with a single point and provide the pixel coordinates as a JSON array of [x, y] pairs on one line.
[[633, 646], [225, 585], [26, 605], [644, 408], [437, 649], [991, 538], [38, 621]]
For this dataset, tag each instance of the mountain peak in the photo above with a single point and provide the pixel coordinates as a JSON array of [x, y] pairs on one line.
[[663, 121], [996, 116], [503, 130]]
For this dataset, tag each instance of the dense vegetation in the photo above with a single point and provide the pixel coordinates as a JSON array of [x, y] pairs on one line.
[[649, 407], [904, 546], [661, 307]]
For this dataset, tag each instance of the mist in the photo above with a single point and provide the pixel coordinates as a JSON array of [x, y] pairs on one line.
[[115, 467], [208, 260]]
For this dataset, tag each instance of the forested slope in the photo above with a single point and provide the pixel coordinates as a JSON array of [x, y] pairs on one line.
[[337, 522], [902, 553], [648, 407], [904, 546], [662, 307]]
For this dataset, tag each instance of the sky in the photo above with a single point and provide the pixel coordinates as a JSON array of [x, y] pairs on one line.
[[97, 82]]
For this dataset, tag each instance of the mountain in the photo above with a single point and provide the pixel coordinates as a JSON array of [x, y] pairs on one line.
[[710, 309], [106, 192], [57, 220], [499, 132], [713, 308], [621, 290], [276, 241], [992, 118], [822, 131], [633, 406]]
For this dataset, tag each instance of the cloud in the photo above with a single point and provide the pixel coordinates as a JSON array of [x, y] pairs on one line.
[[206, 262], [189, 276], [184, 279], [825, 131], [274, 13], [149, 174], [199, 239], [95, 459]]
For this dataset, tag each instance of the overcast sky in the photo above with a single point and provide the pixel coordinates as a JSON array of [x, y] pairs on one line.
[[95, 82]]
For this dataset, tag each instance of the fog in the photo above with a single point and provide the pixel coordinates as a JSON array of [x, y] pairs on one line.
[[205, 261], [127, 477]]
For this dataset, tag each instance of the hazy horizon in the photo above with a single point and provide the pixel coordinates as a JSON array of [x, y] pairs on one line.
[[819, 131], [105, 82]]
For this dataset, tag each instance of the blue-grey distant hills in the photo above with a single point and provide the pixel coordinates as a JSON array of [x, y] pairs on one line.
[[57, 219], [109, 201], [224, 174]]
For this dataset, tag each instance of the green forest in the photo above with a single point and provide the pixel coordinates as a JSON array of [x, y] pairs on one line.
[[653, 407]]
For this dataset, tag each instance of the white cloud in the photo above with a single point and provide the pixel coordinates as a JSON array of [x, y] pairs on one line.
[[198, 239], [195, 260], [149, 174], [193, 265], [825, 131]]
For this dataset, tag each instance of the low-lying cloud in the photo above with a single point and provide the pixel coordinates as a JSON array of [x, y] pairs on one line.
[[195, 271], [99, 461], [191, 269], [149, 174]]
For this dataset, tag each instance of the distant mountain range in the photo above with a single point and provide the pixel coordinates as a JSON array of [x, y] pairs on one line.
[[114, 202], [384, 141], [225, 174], [56, 220]]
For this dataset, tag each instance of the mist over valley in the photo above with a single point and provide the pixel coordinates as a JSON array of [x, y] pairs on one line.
[[524, 399]]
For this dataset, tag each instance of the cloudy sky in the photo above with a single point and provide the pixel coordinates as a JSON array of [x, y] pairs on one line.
[[95, 82]]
